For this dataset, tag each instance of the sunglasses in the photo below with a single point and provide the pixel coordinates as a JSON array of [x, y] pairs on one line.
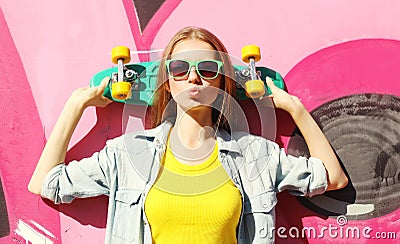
[[206, 69]]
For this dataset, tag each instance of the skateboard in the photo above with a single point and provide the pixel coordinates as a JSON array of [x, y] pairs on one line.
[[136, 83]]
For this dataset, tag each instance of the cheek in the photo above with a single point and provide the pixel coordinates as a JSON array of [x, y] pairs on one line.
[[175, 87]]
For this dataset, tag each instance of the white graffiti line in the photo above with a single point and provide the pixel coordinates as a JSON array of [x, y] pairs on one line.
[[47, 232], [145, 51], [333, 205], [358, 208], [149, 51], [30, 235]]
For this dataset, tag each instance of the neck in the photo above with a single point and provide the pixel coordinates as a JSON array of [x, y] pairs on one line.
[[193, 136], [194, 126]]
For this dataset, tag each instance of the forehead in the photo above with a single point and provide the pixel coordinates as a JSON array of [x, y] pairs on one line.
[[193, 50]]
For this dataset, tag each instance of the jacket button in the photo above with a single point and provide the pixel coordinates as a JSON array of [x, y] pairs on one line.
[[265, 205]]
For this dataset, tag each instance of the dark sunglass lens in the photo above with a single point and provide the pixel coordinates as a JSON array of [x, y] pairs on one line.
[[208, 69], [178, 68]]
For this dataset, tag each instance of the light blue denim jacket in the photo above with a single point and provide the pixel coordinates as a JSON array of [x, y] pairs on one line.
[[126, 168]]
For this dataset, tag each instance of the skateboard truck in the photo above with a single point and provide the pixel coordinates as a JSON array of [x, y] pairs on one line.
[[128, 75], [125, 79], [255, 86]]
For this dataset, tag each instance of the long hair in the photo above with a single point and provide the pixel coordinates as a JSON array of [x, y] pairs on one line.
[[162, 96]]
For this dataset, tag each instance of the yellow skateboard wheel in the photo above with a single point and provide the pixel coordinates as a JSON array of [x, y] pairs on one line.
[[120, 52], [254, 88], [251, 51], [120, 90]]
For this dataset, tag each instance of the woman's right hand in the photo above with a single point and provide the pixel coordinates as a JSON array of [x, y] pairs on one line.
[[91, 96]]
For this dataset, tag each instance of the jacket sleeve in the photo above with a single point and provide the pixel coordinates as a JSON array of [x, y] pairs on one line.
[[88, 177], [299, 175]]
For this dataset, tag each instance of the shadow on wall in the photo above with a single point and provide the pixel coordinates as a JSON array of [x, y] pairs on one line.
[[364, 130], [93, 211], [111, 122]]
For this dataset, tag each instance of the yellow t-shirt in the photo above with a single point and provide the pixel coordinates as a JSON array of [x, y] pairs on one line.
[[193, 204]]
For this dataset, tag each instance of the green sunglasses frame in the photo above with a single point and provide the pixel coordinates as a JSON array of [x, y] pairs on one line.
[[195, 64]]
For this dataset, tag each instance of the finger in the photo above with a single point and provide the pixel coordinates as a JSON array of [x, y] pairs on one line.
[[104, 82], [272, 87], [270, 83]]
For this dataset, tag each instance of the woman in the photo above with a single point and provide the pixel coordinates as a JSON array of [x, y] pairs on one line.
[[192, 178]]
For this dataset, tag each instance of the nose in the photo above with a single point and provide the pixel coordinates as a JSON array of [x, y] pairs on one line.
[[193, 76]]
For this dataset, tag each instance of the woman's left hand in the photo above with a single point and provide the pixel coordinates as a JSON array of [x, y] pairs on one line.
[[284, 100], [317, 143]]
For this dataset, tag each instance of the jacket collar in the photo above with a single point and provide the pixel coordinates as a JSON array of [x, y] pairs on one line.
[[159, 136]]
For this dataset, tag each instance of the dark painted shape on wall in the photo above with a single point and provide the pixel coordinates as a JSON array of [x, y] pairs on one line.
[[146, 10], [145, 19], [364, 130], [4, 224]]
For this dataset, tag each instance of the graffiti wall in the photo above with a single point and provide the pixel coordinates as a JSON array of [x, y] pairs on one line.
[[340, 57]]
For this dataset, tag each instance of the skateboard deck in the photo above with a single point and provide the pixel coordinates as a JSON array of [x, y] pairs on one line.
[[143, 77]]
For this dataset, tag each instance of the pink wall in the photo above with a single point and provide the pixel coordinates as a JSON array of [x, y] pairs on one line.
[[49, 48]]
